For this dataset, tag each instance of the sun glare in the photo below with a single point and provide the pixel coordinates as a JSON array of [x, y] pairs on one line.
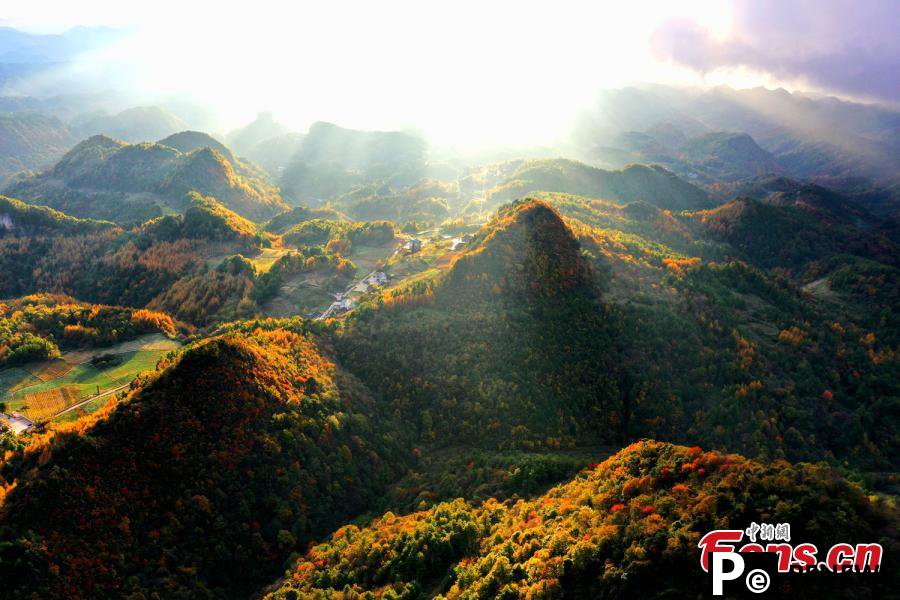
[[467, 73]]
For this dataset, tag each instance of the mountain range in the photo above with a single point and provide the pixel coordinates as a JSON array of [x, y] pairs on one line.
[[215, 470], [341, 363], [851, 147]]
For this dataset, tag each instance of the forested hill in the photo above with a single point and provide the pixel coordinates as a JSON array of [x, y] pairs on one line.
[[31, 141], [526, 254], [792, 232], [107, 179], [511, 348], [456, 320], [20, 219], [36, 328], [652, 184], [707, 349], [218, 470], [203, 481], [627, 528], [188, 141], [42, 250]]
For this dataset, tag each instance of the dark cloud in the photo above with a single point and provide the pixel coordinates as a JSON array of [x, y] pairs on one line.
[[848, 46]]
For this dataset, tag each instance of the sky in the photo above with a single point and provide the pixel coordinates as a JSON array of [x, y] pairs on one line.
[[473, 72], [846, 47]]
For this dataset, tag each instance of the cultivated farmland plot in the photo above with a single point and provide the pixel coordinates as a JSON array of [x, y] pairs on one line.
[[49, 370], [45, 404], [42, 390]]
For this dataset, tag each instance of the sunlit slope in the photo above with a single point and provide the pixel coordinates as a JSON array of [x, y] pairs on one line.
[[282, 222], [36, 327], [108, 179], [526, 254], [201, 482], [204, 218], [188, 141], [627, 528]]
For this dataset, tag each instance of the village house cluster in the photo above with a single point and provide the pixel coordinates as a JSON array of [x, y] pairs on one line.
[[344, 301], [15, 422], [457, 243]]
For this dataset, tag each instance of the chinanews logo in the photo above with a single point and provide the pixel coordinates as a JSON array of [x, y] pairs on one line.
[[768, 553]]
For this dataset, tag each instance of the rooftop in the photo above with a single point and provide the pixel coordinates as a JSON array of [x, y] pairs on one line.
[[17, 423]]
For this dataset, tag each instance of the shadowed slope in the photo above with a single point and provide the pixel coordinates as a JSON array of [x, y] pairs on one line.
[[511, 347], [202, 482]]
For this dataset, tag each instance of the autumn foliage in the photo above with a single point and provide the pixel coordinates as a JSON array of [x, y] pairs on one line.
[[36, 327], [201, 482], [627, 528]]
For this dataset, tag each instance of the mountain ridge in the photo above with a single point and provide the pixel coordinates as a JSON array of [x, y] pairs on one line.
[[161, 464], [107, 178], [652, 184]]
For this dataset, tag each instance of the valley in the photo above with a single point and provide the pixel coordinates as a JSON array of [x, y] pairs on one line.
[[366, 358], [438, 373]]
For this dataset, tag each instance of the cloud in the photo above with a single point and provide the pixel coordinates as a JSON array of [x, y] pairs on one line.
[[845, 46]]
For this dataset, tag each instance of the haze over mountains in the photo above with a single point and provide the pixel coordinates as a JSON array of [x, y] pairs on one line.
[[713, 137], [717, 139], [726, 135], [267, 357]]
